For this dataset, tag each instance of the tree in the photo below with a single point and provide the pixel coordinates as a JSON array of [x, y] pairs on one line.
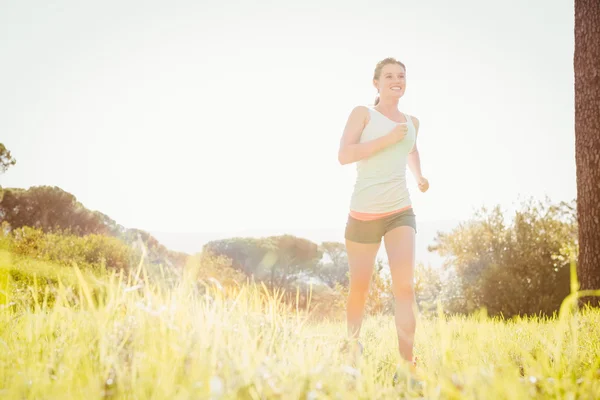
[[288, 259], [245, 253], [52, 209], [6, 159], [276, 260], [510, 268], [428, 286], [48, 208], [334, 270], [587, 139], [206, 267]]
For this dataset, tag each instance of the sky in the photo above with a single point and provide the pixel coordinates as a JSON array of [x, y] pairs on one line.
[[202, 119]]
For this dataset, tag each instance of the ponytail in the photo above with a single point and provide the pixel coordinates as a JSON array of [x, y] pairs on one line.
[[377, 100]]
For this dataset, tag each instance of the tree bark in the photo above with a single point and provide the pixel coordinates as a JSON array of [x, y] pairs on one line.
[[587, 140]]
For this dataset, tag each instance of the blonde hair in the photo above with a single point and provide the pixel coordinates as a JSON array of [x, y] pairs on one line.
[[380, 66]]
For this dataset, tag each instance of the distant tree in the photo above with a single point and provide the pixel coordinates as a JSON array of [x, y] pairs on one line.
[[206, 267], [333, 270], [511, 268], [156, 253], [13, 208], [290, 258], [276, 260], [587, 139], [53, 209], [245, 253], [48, 208], [428, 287], [6, 159]]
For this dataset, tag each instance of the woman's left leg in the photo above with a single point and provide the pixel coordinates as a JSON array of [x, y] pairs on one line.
[[400, 248]]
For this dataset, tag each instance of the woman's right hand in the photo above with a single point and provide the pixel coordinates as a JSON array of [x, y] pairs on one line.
[[399, 132]]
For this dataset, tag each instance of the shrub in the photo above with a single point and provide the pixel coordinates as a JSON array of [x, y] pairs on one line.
[[90, 251]]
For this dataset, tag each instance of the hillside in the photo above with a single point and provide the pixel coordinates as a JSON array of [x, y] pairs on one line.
[[52, 209]]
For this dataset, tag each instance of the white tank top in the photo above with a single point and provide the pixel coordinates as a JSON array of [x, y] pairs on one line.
[[380, 185]]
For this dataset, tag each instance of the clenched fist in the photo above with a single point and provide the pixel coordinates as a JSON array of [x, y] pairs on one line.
[[423, 184], [399, 132]]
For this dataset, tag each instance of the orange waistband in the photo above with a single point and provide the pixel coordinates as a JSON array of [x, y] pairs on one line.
[[370, 216]]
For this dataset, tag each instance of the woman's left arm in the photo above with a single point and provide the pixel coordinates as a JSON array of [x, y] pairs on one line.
[[414, 161]]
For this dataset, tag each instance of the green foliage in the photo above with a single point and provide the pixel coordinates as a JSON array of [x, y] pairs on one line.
[[30, 282], [428, 287], [6, 159], [5, 280], [48, 208], [207, 267], [156, 253], [51, 209], [334, 270], [515, 268], [279, 261], [245, 253], [508, 267], [90, 251]]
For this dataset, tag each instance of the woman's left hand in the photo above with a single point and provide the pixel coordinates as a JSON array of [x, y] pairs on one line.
[[423, 184]]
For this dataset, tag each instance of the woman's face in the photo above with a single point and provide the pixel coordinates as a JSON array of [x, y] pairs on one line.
[[392, 81]]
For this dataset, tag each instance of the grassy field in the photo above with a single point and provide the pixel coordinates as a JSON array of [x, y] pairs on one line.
[[136, 340]]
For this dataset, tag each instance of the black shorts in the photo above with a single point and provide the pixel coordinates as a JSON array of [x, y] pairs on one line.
[[372, 231]]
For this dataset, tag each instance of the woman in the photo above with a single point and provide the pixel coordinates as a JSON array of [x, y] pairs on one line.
[[382, 141]]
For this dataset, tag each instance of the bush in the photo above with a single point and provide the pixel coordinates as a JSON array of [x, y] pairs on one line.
[[90, 251], [29, 281], [510, 267], [207, 266]]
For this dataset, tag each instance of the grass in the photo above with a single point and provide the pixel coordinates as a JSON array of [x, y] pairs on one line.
[[142, 341]]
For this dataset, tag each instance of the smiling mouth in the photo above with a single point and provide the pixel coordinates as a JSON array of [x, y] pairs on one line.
[[396, 88]]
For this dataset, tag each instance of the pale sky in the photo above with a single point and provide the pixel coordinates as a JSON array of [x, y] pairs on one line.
[[225, 116]]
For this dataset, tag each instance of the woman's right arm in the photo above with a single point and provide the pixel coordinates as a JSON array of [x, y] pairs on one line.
[[351, 150]]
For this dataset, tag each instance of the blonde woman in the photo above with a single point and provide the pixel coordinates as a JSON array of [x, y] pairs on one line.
[[382, 140]]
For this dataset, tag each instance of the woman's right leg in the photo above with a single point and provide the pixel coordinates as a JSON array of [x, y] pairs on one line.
[[361, 260]]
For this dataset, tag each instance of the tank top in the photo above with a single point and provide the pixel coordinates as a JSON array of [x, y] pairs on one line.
[[380, 185]]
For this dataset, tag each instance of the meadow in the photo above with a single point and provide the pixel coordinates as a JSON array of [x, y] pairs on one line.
[[107, 335]]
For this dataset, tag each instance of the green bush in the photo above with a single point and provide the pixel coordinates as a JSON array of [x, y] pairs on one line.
[[510, 265], [30, 281], [90, 251]]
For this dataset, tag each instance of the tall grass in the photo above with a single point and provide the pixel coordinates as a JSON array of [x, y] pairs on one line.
[[122, 337]]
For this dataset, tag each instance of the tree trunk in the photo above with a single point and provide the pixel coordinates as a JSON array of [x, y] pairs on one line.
[[587, 139]]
